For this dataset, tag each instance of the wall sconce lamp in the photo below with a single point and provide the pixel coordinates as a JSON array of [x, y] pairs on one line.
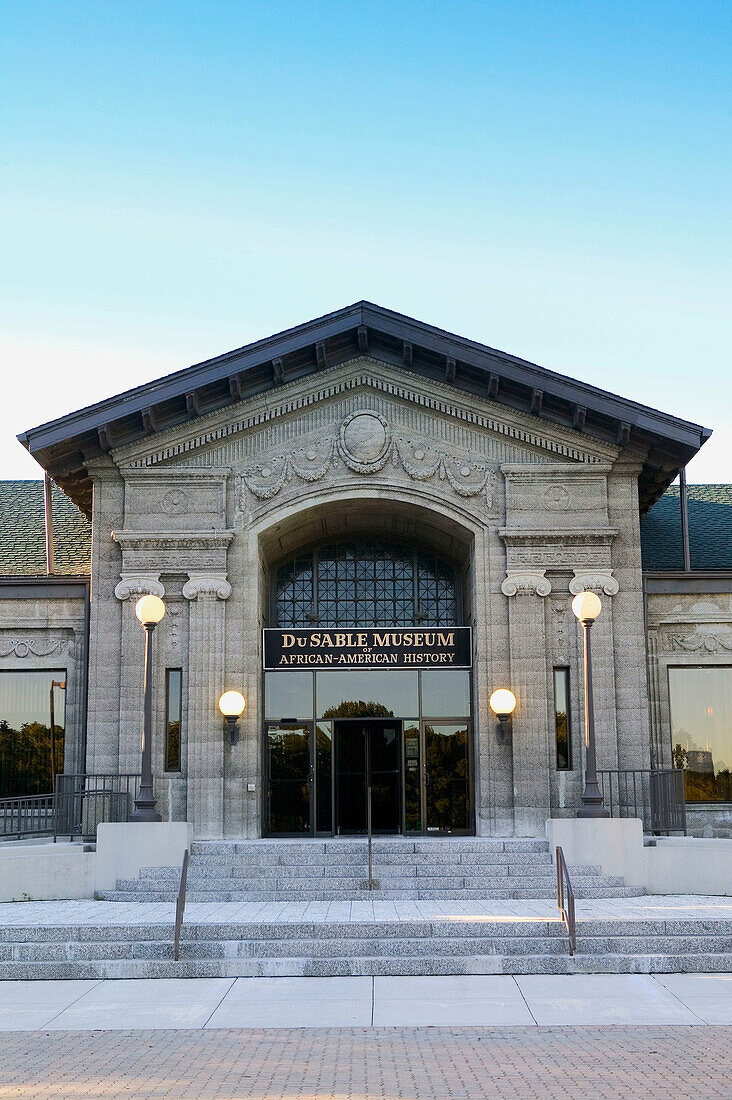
[[232, 705], [503, 703]]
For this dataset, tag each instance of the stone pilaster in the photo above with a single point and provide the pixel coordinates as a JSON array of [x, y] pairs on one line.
[[206, 640], [528, 647]]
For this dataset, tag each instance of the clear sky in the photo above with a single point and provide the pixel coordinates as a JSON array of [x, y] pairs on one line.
[[550, 178]]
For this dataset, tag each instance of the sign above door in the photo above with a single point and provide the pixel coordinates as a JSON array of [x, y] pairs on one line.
[[369, 648]]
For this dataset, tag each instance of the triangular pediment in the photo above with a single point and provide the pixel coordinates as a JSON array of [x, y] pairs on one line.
[[472, 373]]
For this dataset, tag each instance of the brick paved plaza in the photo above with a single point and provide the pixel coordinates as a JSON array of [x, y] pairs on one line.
[[419, 1064]]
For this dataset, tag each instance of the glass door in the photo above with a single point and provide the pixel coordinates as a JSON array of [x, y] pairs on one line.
[[289, 778], [447, 777], [368, 752]]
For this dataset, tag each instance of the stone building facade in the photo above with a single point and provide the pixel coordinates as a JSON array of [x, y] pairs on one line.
[[365, 429]]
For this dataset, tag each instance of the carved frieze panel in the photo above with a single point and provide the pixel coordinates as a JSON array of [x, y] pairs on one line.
[[698, 641], [544, 497], [26, 645], [175, 498], [559, 549]]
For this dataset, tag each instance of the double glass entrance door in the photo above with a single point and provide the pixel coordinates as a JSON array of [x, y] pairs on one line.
[[319, 774]]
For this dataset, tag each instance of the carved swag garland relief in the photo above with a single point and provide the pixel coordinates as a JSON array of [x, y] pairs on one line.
[[365, 444]]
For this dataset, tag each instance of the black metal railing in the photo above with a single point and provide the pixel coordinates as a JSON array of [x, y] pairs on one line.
[[28, 816], [82, 802], [656, 796], [180, 906], [565, 900]]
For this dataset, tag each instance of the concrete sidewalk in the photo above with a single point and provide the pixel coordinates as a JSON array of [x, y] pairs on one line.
[[363, 1002]]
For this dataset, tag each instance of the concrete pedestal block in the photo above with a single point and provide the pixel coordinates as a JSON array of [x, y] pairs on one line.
[[123, 848], [615, 844]]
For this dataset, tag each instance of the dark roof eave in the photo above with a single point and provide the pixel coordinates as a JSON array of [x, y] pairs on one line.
[[677, 440]]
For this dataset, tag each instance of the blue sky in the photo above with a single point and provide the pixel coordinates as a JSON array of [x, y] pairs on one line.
[[552, 179]]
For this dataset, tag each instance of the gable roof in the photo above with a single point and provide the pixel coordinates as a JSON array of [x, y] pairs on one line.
[[23, 532], [64, 446], [710, 530]]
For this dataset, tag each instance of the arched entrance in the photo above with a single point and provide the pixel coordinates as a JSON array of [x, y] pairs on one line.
[[367, 680]]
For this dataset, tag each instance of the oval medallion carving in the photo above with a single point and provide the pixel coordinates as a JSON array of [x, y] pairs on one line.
[[363, 441]]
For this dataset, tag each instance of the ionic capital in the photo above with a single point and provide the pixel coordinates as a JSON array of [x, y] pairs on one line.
[[206, 584], [600, 580], [139, 584], [526, 581]]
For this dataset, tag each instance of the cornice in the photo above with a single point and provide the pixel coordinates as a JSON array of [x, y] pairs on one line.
[[293, 397], [173, 540]]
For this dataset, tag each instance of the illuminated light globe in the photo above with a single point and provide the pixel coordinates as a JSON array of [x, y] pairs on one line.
[[149, 610], [232, 704], [502, 701], [586, 606]]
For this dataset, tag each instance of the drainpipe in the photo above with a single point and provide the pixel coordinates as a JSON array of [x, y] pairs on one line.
[[48, 516], [684, 521]]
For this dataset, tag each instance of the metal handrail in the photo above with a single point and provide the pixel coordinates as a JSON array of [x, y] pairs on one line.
[[180, 906], [368, 829], [29, 815], [655, 795], [566, 910]]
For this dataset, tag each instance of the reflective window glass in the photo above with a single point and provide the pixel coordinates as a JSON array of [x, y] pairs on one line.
[[447, 806], [561, 719], [365, 694], [446, 694], [324, 776], [701, 730], [31, 747], [288, 694], [173, 699], [412, 780], [288, 758]]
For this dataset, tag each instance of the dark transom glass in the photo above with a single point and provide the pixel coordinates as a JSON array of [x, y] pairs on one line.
[[366, 584]]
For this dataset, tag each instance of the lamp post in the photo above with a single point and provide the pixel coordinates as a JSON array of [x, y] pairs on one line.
[[231, 705], [503, 703], [586, 607], [149, 610]]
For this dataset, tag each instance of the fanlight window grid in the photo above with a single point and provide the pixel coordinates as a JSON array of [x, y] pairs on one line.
[[366, 584]]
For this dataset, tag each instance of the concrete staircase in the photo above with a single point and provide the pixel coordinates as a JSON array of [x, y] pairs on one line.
[[445, 944], [337, 870]]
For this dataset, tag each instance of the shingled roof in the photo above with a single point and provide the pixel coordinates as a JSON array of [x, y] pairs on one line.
[[710, 530], [23, 532]]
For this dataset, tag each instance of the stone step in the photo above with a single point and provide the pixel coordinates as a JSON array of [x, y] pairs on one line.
[[305, 849], [204, 881], [361, 894], [356, 948], [651, 963]]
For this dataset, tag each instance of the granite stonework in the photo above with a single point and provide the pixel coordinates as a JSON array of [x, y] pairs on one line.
[[199, 514]]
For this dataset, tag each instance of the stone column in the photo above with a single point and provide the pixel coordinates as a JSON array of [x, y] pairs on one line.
[[206, 657], [528, 662]]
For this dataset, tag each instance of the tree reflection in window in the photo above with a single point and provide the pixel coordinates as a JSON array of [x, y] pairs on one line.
[[366, 584]]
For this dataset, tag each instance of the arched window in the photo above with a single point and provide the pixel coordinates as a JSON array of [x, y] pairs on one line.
[[366, 584]]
